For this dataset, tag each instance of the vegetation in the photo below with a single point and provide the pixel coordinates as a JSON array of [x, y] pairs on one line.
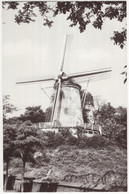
[[113, 122], [9, 135], [65, 153], [34, 114], [19, 139], [79, 14], [7, 107], [73, 160], [26, 144], [62, 153]]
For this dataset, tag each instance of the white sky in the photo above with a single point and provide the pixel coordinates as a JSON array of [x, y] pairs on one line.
[[32, 49]]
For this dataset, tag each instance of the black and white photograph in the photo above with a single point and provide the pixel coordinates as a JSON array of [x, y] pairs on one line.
[[64, 96]]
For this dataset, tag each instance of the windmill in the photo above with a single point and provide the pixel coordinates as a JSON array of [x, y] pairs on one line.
[[67, 104]]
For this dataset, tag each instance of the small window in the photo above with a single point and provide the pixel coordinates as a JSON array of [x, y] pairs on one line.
[[66, 110]]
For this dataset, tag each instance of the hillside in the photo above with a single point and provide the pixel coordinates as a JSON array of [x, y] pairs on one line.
[[69, 162]]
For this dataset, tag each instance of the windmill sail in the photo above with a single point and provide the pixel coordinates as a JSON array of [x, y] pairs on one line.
[[90, 75], [63, 54], [92, 78], [54, 103], [59, 82], [25, 80], [67, 110]]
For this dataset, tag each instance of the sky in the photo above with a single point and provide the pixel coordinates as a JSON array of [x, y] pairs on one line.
[[33, 49]]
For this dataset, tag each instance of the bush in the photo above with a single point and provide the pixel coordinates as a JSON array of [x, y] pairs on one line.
[[65, 132], [54, 139], [122, 139], [83, 142], [96, 141], [71, 140], [65, 138], [59, 139]]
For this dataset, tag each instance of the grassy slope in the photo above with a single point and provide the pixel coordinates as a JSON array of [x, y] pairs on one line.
[[72, 160]]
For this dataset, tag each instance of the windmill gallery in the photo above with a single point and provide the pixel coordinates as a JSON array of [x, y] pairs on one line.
[[68, 102]]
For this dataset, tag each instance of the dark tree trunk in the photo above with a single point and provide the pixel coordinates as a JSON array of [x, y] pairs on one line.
[[6, 176], [22, 180]]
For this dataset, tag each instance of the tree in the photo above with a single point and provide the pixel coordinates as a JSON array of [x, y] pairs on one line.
[[7, 107], [80, 14], [27, 143], [105, 117], [121, 119], [121, 116], [35, 114], [113, 121], [13, 121], [9, 136]]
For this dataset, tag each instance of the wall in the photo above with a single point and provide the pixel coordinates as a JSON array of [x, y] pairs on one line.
[[69, 110]]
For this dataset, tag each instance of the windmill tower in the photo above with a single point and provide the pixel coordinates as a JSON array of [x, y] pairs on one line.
[[67, 109]]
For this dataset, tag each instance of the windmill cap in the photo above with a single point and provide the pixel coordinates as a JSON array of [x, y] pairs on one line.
[[71, 83]]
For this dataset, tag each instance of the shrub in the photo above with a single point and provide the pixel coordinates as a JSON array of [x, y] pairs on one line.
[[71, 140], [59, 139], [54, 139], [65, 132], [96, 141], [121, 138]]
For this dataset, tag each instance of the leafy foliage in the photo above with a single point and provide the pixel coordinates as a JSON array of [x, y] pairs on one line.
[[113, 121], [121, 116], [26, 141], [14, 121], [86, 12], [121, 138], [65, 151], [71, 140], [80, 14], [26, 144], [9, 136], [53, 140], [7, 107], [26, 14], [125, 73], [94, 142], [120, 37], [35, 114]]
